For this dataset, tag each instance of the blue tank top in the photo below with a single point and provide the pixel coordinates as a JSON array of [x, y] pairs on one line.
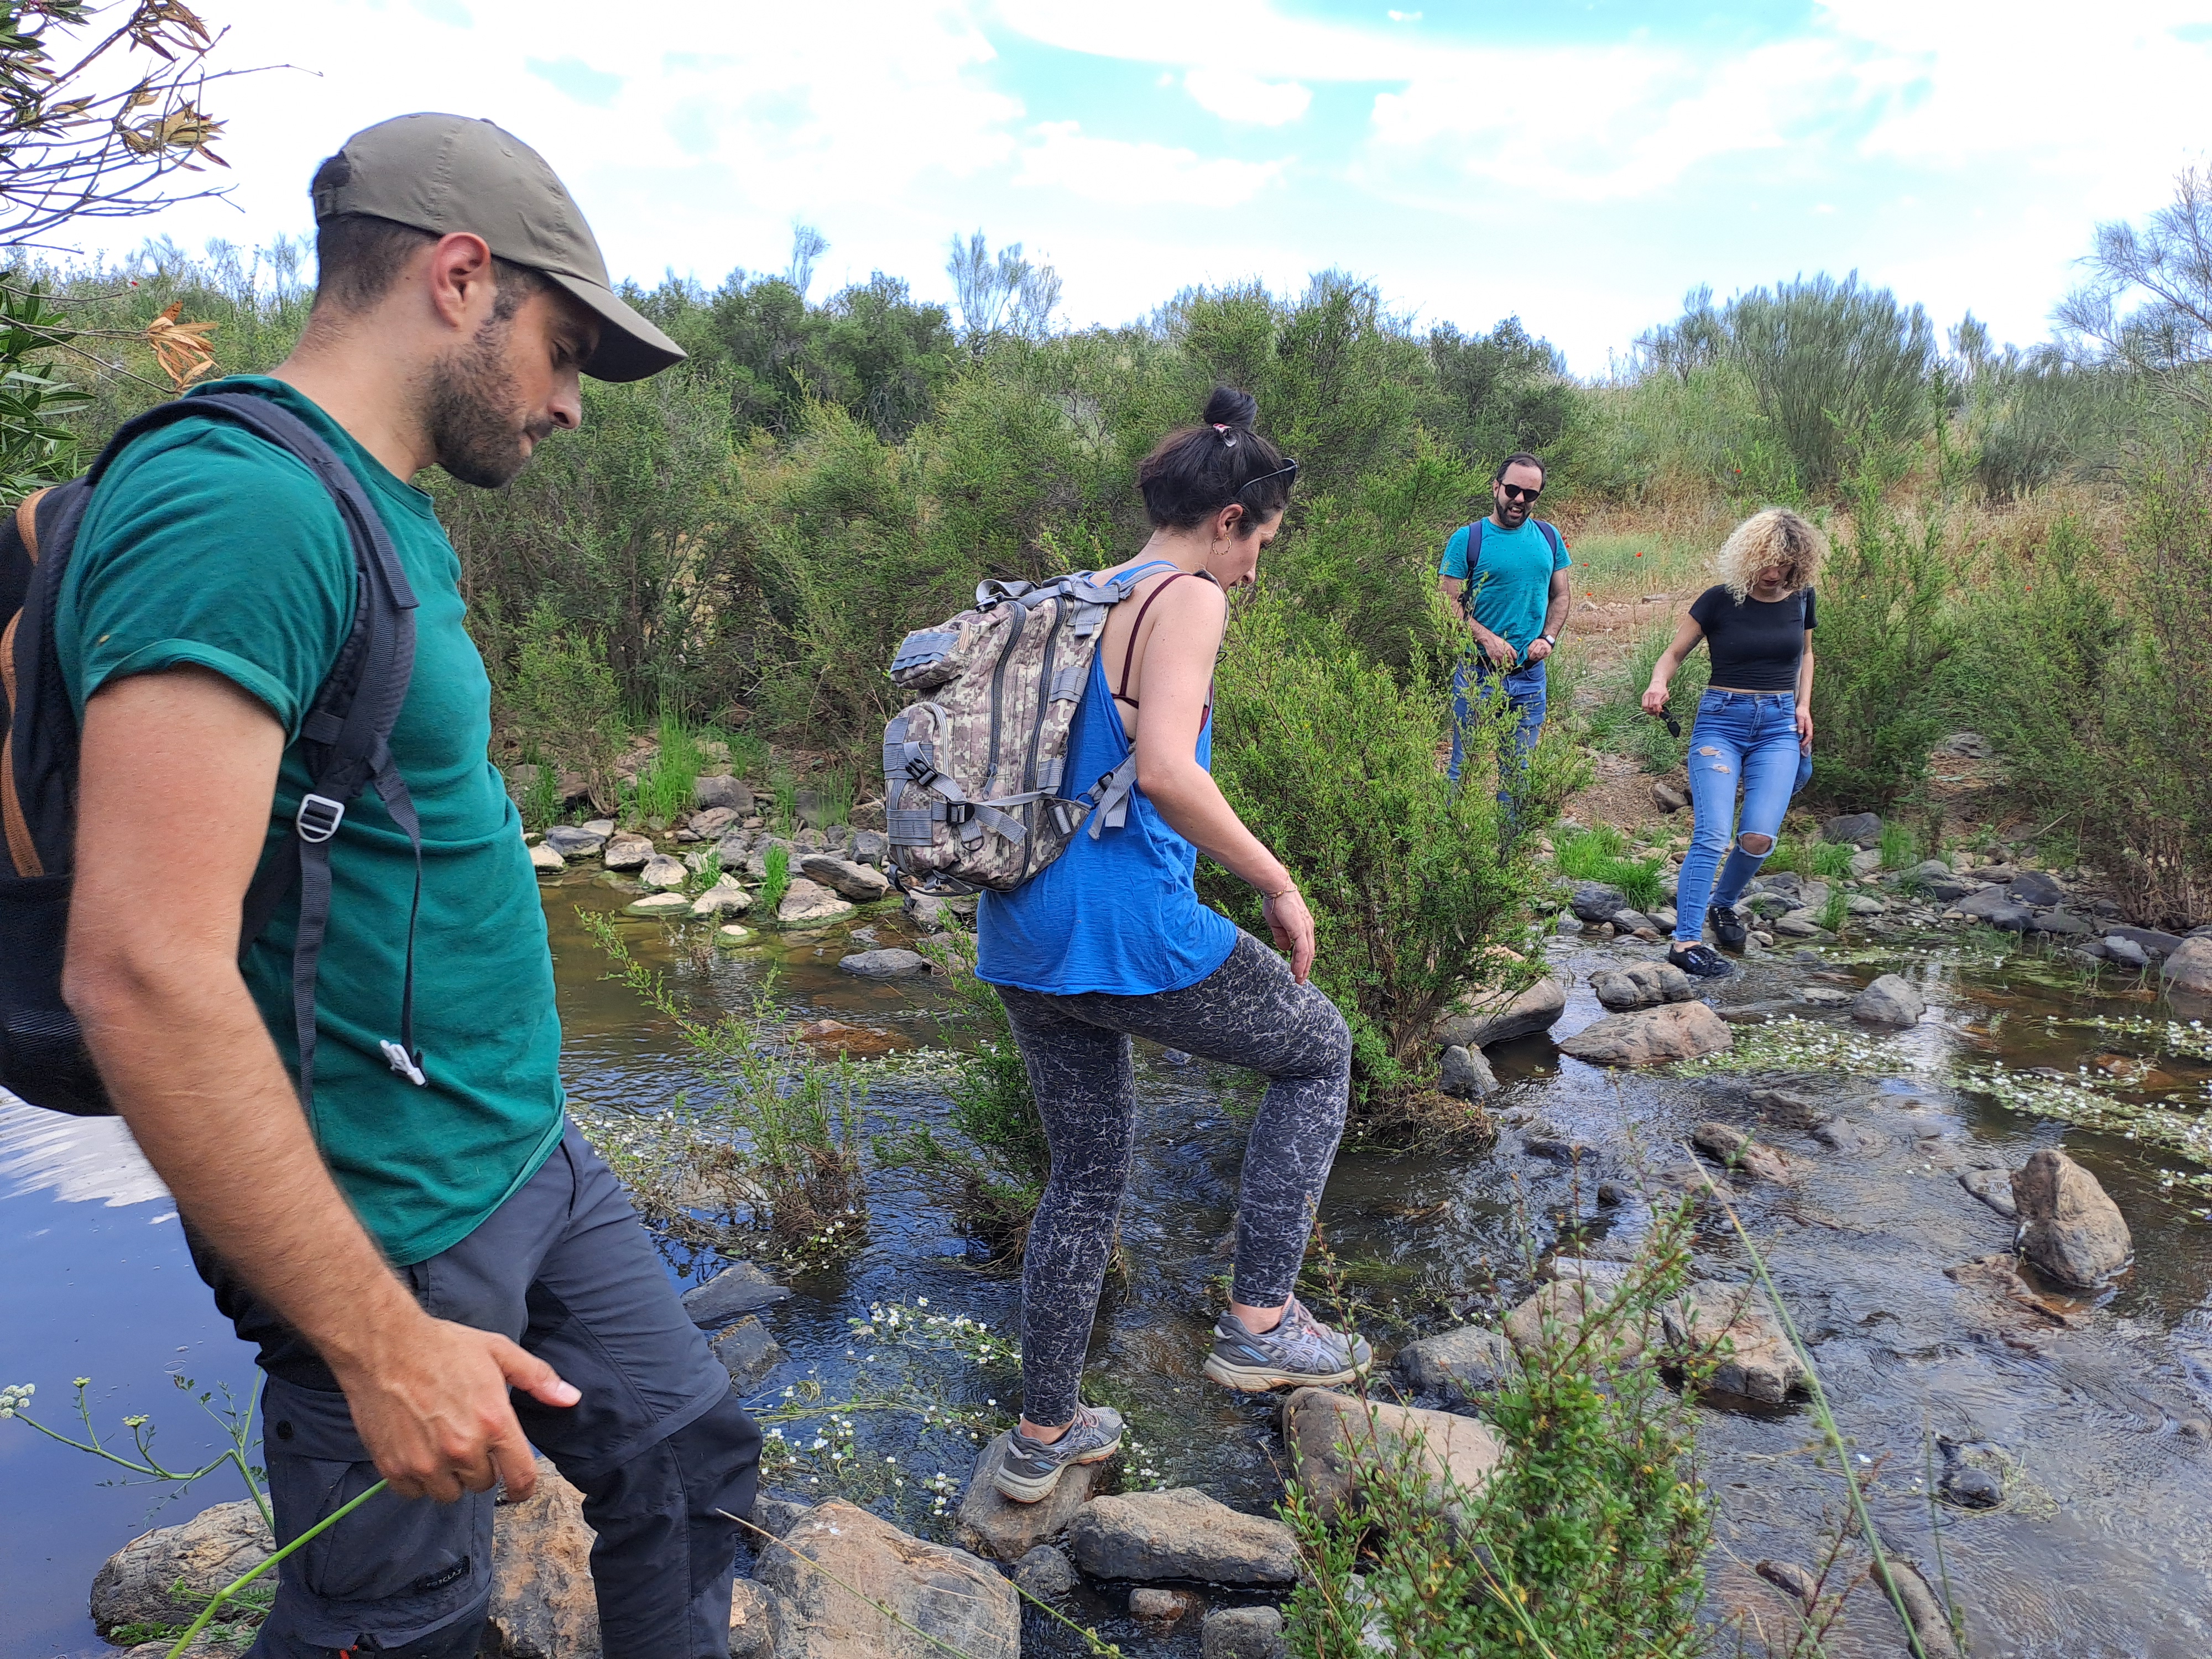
[[1120, 914]]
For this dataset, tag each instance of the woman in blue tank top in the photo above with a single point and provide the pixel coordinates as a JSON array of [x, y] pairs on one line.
[[1109, 942]]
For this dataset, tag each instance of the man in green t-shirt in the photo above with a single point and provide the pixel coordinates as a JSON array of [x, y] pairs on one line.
[[422, 1240], [1506, 578]]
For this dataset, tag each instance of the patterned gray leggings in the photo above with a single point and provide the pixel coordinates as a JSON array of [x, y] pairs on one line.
[[1249, 1011]]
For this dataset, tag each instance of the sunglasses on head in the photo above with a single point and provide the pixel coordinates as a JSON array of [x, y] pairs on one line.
[[1515, 493], [1288, 473]]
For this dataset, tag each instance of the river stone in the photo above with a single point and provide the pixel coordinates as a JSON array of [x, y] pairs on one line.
[[545, 860], [994, 1525], [757, 857], [869, 1567], [1458, 1365], [1593, 901], [721, 790], [1865, 904], [1741, 1154], [1866, 864], [1754, 1355], [1971, 1488], [1640, 984], [1859, 829], [747, 1351], [849, 880], [1652, 1037], [1633, 922], [658, 904], [664, 873], [2189, 968], [543, 1606], [1046, 1573], [1476, 1024], [1798, 924], [2036, 888], [712, 823], [205, 1552], [2153, 943], [807, 905], [1992, 905], [2125, 951], [1668, 796], [1159, 1606], [1331, 1436], [1243, 1633], [1465, 1073], [1993, 1188], [626, 851], [724, 898], [1941, 882], [890, 963], [572, 842], [740, 1288], [872, 847], [1842, 1135], [2058, 924], [2070, 1232], [1570, 1302], [1182, 1533], [1791, 1111], [1891, 999], [1769, 905]]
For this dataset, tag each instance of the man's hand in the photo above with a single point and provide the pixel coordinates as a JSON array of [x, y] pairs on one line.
[[1495, 648], [431, 1405], [1539, 648]]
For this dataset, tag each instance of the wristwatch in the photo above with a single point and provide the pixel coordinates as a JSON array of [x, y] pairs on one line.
[[1552, 639]]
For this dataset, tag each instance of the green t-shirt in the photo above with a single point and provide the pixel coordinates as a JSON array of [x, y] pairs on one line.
[[1513, 583], [204, 545]]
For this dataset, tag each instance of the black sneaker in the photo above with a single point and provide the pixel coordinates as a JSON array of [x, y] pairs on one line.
[[1701, 961], [1729, 927]]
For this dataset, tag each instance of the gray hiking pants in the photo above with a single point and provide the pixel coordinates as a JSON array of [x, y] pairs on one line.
[[1249, 1011], [658, 1445]]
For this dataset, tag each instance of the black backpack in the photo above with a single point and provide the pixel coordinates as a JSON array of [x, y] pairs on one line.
[[346, 739]]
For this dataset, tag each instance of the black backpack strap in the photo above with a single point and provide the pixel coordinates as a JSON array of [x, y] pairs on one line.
[[346, 737], [1473, 561]]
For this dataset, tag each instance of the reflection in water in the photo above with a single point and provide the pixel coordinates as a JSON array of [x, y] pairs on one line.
[[78, 1159]]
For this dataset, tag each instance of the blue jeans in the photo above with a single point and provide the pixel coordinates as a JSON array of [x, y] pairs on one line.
[[1524, 688], [1746, 739]]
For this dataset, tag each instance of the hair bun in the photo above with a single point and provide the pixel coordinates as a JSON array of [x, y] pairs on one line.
[[1229, 407]]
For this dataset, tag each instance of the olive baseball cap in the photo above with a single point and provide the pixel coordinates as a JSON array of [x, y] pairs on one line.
[[444, 174]]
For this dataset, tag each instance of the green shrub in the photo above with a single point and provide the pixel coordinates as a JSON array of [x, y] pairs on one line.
[[665, 785], [1601, 854], [1332, 761], [541, 802], [564, 699]]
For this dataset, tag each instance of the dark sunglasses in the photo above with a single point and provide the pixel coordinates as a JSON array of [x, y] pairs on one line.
[[1515, 493], [1288, 471]]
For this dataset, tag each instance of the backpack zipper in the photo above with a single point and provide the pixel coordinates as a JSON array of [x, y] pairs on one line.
[[1037, 731]]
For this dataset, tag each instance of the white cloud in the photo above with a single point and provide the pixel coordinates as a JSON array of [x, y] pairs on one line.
[[1129, 174], [1235, 96]]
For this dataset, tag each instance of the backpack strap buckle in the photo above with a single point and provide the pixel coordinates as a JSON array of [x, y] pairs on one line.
[[318, 817]]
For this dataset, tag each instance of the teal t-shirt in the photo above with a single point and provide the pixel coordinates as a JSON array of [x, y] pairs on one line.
[[1513, 585], [204, 545]]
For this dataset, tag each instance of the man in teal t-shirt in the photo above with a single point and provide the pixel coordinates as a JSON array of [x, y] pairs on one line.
[[422, 1240], [1514, 607]]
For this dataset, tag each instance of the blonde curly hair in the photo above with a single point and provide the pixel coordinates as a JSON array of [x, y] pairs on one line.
[[1775, 536]]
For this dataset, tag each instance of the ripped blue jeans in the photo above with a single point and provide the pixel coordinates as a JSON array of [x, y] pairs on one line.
[[1744, 740]]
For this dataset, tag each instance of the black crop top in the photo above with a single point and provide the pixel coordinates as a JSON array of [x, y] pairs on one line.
[[1756, 644]]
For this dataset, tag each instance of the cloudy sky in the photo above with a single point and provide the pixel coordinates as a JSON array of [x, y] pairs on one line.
[[1581, 164]]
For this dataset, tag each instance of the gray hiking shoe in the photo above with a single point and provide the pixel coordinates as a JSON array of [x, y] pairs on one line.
[[1029, 1470], [1299, 1352]]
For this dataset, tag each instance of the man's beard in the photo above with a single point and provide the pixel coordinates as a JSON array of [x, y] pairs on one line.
[[469, 413]]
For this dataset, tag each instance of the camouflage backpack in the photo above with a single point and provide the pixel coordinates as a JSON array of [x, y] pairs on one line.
[[972, 784]]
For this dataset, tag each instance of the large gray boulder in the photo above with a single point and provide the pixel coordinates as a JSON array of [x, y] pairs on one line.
[[2190, 967], [1457, 1365], [2071, 1230], [994, 1525], [1182, 1533], [1336, 1439], [1652, 1037], [1465, 1074], [1640, 984], [1477, 1024], [722, 790], [1594, 901], [1891, 999], [850, 1586]]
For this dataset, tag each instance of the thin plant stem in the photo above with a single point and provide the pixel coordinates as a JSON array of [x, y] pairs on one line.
[[246, 1578]]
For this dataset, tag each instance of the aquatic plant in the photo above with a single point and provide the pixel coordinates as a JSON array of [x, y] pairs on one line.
[[776, 883], [663, 790]]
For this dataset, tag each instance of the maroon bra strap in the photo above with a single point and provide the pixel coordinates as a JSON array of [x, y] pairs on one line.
[[1129, 656]]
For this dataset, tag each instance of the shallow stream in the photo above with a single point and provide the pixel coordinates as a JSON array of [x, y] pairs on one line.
[[2099, 1416]]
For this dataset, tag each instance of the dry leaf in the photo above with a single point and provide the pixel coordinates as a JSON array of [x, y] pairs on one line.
[[181, 349]]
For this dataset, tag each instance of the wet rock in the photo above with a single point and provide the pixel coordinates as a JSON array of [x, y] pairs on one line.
[[1842, 1135], [1792, 1581], [1824, 996], [1891, 999], [2153, 943], [1733, 1321], [1457, 1365], [662, 873], [955, 1600], [887, 964], [1652, 1037], [808, 905], [1971, 1488], [1476, 1024], [2036, 888], [2125, 952], [747, 1351], [669, 905], [1595, 902], [858, 881], [1859, 829], [1740, 1154], [2058, 924], [2071, 1230], [1243, 1633], [1558, 1148], [1182, 1533], [624, 851], [994, 1526], [1332, 1438], [1991, 905], [1923, 1612], [1798, 924], [201, 1556], [1565, 1311], [1791, 1111], [1640, 984], [1465, 1073], [1629, 919], [1668, 796], [1866, 864], [1045, 1572], [545, 860], [721, 790], [740, 1288], [2189, 968], [1993, 1188], [1160, 1607], [571, 841], [724, 898]]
